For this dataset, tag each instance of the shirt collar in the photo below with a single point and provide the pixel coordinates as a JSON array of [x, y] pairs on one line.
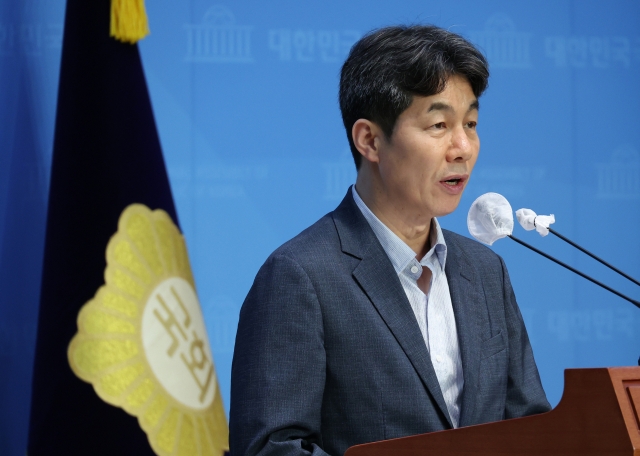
[[398, 252]]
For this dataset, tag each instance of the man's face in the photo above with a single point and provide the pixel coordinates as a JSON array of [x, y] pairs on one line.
[[426, 164]]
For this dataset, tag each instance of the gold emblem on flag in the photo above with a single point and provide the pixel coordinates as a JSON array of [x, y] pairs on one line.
[[142, 343]]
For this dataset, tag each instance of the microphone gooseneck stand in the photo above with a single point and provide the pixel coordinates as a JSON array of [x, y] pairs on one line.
[[583, 250], [595, 257], [581, 274], [491, 213]]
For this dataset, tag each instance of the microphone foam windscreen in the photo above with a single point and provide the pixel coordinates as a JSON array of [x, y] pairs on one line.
[[529, 220], [490, 218]]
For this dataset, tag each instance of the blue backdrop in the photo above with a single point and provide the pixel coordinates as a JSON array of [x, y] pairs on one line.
[[245, 97]]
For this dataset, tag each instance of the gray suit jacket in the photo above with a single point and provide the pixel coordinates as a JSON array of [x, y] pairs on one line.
[[329, 354]]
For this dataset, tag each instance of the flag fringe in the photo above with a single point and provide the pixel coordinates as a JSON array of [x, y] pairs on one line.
[[128, 20]]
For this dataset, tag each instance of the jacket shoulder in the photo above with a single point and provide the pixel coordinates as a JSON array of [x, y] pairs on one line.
[[466, 243], [476, 252], [315, 241]]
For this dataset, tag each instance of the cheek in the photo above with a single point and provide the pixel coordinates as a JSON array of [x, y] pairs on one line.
[[399, 166], [475, 145], [474, 159]]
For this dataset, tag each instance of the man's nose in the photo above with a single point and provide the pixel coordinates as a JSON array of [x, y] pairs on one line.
[[461, 148]]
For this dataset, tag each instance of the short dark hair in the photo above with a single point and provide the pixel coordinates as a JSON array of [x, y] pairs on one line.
[[388, 66]]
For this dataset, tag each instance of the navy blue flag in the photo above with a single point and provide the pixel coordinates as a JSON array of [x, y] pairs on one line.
[[107, 156]]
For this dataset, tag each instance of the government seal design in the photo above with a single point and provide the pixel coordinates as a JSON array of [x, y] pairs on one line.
[[142, 343]]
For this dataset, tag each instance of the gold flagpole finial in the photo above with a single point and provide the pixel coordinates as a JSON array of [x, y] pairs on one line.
[[128, 20]]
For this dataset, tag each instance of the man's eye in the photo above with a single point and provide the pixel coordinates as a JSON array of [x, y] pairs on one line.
[[472, 125], [440, 125]]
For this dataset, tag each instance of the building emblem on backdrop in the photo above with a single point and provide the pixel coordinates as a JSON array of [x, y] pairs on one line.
[[620, 178], [339, 175], [221, 316], [218, 39], [503, 46]]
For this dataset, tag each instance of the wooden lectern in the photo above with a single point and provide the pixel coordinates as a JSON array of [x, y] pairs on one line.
[[597, 415]]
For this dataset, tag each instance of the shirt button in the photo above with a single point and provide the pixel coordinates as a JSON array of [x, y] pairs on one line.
[[414, 269], [438, 358]]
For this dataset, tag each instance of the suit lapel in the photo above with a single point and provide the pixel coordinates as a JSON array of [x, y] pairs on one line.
[[466, 298], [375, 274]]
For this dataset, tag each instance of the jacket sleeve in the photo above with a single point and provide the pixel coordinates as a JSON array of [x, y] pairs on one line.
[[525, 395], [279, 365]]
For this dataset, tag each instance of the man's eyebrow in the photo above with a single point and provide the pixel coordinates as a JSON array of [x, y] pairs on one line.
[[439, 106]]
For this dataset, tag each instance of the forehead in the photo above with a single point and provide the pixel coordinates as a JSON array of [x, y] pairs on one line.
[[457, 97]]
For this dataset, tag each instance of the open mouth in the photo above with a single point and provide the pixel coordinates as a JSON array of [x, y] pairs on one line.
[[453, 182]]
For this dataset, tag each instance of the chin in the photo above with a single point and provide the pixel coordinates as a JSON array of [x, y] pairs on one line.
[[447, 210]]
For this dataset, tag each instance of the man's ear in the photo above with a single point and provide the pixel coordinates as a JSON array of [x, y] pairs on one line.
[[367, 136]]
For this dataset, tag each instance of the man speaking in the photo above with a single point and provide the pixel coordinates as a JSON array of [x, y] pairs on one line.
[[375, 323]]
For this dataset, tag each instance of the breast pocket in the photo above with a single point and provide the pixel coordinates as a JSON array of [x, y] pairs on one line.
[[492, 346]]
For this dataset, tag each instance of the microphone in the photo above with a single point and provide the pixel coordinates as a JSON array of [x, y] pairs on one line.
[[529, 220], [491, 218]]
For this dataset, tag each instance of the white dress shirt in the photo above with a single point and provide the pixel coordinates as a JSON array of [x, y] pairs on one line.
[[433, 311]]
